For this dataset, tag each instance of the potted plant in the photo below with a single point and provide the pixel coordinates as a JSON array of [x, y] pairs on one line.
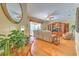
[[4, 45], [1, 44], [17, 41], [13, 44]]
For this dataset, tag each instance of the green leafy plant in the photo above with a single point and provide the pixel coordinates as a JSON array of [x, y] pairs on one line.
[[4, 45], [72, 28], [17, 38], [1, 41]]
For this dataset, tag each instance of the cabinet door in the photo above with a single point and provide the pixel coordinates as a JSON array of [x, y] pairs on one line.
[[66, 28]]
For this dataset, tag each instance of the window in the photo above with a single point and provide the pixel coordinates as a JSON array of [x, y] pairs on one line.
[[34, 26]]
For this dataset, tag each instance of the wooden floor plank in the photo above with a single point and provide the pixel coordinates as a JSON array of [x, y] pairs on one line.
[[43, 48]]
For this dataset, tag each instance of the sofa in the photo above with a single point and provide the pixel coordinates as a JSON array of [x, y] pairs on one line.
[[68, 36], [43, 35]]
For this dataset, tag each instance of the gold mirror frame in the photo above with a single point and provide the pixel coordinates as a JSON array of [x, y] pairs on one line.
[[4, 8]]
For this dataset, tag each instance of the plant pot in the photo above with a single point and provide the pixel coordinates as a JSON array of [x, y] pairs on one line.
[[13, 51], [21, 51]]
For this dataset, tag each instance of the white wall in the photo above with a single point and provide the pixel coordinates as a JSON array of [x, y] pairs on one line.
[[76, 33], [70, 20], [77, 42], [5, 24]]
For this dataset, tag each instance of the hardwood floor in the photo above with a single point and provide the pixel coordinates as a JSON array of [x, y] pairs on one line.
[[43, 48]]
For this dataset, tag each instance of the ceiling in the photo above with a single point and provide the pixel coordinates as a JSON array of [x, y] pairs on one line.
[[56, 10]]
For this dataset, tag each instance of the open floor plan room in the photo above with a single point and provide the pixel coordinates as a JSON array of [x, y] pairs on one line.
[[39, 29]]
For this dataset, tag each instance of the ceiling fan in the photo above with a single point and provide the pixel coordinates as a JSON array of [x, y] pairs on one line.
[[52, 15]]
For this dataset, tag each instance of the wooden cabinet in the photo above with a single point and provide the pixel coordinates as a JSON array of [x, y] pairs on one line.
[[58, 27]]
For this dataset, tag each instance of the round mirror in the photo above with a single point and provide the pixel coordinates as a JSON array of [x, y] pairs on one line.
[[13, 11]]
